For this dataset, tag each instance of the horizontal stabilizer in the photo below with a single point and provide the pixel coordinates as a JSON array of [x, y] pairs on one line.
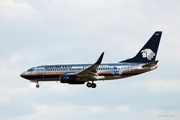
[[151, 64]]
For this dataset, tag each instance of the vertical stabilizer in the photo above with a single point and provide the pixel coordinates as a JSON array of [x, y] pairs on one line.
[[149, 50]]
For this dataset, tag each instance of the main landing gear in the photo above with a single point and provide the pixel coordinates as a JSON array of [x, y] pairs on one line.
[[93, 85]]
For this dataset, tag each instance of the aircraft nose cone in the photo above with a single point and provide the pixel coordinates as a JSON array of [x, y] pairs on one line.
[[25, 75], [22, 75]]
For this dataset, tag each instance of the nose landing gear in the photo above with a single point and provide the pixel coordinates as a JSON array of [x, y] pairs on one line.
[[92, 85], [37, 85]]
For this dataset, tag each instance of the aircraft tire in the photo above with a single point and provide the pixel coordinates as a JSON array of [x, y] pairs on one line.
[[37, 86], [88, 84], [93, 85]]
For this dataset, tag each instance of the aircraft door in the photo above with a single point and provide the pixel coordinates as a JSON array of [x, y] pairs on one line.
[[129, 67]]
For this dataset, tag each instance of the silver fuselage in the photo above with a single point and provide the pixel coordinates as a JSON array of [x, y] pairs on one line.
[[105, 71]]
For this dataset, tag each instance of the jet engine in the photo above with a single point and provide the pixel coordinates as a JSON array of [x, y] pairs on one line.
[[70, 79]]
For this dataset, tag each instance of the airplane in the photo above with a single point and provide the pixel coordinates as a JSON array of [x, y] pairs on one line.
[[143, 61]]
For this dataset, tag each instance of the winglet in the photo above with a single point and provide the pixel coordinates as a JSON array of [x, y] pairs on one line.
[[100, 59]]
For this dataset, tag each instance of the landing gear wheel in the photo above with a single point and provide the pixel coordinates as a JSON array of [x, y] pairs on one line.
[[93, 85], [37, 86], [88, 84]]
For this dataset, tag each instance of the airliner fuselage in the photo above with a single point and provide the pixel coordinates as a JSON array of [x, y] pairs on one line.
[[106, 71]]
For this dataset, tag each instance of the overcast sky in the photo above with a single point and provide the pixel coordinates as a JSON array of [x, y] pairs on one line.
[[77, 31]]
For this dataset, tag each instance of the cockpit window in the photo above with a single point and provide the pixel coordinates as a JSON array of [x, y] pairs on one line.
[[30, 70]]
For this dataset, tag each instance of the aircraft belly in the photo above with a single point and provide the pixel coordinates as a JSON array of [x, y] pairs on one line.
[[111, 77], [42, 77], [49, 79]]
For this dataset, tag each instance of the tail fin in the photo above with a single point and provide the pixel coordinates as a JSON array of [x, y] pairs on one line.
[[149, 51]]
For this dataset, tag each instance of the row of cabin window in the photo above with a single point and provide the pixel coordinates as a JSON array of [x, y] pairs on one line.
[[64, 69], [105, 69], [76, 69]]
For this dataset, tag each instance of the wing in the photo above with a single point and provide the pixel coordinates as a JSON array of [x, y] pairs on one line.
[[91, 71]]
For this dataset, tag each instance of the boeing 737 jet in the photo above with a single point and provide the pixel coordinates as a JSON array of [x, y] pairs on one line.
[[144, 61]]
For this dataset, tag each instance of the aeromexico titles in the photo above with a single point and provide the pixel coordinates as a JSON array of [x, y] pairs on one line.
[[144, 61]]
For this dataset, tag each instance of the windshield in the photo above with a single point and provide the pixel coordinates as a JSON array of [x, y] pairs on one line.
[[30, 70]]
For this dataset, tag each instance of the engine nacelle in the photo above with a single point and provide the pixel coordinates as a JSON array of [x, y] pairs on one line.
[[71, 79]]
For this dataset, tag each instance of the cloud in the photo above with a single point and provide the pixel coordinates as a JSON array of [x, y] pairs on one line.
[[69, 111], [8, 92], [17, 11], [15, 57], [18, 57], [64, 108], [47, 32], [4, 98], [123, 108], [57, 88], [155, 86], [98, 109], [162, 86], [53, 109]]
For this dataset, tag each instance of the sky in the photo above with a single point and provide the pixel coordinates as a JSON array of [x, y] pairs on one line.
[[77, 31]]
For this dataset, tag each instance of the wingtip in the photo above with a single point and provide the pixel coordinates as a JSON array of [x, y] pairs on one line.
[[100, 59], [158, 31]]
